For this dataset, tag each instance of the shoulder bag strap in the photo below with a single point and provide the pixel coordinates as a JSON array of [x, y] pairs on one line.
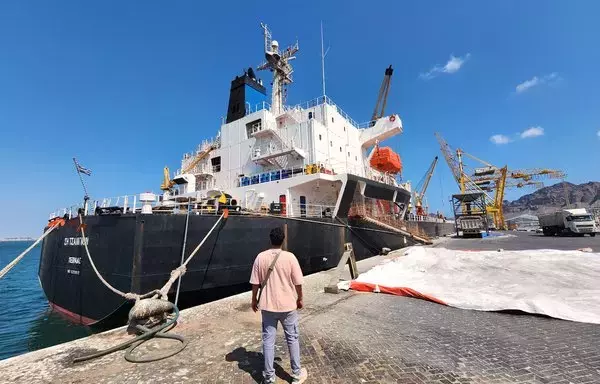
[[264, 283]]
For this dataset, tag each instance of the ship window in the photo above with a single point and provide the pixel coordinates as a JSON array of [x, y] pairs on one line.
[[253, 127], [340, 149], [310, 115], [216, 163], [348, 154], [331, 143], [319, 137], [344, 129], [332, 120], [356, 158]]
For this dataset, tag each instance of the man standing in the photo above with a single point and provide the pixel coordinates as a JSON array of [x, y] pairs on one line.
[[279, 277]]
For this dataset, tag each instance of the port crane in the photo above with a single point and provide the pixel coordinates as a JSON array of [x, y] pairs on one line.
[[421, 188], [490, 178]]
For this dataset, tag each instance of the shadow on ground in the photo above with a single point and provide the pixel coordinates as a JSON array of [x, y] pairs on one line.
[[252, 363]]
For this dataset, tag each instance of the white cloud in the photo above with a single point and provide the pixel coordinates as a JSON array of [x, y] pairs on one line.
[[500, 139], [526, 134], [532, 132], [452, 66], [528, 84], [535, 81]]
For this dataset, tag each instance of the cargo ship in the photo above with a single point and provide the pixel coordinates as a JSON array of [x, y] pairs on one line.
[[309, 168]]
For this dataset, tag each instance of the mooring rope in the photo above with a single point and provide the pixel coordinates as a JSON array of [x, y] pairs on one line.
[[149, 305], [183, 248], [11, 265], [176, 273]]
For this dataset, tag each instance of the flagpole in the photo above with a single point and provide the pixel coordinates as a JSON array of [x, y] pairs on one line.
[[86, 197]]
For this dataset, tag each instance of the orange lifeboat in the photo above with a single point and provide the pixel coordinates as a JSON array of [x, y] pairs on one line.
[[386, 160]]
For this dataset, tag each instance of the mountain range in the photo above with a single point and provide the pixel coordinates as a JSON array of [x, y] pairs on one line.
[[549, 198]]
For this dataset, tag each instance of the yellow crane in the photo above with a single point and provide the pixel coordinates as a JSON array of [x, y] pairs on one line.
[[454, 158], [168, 183], [490, 178]]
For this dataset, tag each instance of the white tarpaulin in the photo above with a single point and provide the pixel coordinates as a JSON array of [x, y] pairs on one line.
[[560, 284]]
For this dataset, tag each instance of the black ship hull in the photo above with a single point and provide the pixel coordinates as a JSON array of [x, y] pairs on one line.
[[136, 253]]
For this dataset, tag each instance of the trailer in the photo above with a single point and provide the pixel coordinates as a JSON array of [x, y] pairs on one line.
[[577, 222]]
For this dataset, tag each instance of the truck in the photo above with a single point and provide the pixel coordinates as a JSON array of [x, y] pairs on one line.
[[578, 222], [473, 225], [470, 214]]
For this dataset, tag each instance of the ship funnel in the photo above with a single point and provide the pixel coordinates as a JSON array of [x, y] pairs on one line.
[[247, 95]]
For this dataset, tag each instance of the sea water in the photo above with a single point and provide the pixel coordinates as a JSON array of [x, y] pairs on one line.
[[26, 321]]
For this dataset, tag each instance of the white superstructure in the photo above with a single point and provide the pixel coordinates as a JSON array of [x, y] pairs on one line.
[[297, 155]]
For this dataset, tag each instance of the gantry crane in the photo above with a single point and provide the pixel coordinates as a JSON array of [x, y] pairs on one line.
[[491, 178], [455, 163], [421, 188], [379, 110]]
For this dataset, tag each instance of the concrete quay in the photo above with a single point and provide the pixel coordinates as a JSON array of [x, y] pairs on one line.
[[346, 338]]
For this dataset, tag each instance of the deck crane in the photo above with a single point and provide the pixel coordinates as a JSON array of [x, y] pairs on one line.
[[384, 159], [379, 110], [201, 154], [421, 188]]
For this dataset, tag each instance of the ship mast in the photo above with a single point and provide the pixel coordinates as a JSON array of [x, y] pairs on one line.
[[278, 63]]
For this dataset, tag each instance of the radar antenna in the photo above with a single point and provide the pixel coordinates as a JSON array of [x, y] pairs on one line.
[[278, 62]]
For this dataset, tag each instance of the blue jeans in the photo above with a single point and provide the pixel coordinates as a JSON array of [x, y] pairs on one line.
[[289, 320]]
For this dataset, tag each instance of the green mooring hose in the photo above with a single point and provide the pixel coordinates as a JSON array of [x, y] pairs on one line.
[[160, 332]]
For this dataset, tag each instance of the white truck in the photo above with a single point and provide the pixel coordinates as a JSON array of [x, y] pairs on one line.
[[568, 222]]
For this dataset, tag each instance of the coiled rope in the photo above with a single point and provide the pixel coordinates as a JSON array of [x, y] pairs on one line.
[[147, 334], [148, 306]]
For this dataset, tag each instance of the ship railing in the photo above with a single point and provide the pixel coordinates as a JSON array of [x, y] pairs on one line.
[[430, 219], [366, 124], [280, 174], [391, 219], [322, 100], [195, 208], [257, 107], [346, 167], [204, 147], [128, 203], [311, 104], [381, 177], [309, 210]]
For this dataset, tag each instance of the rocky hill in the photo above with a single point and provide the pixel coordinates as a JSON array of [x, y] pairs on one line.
[[549, 198]]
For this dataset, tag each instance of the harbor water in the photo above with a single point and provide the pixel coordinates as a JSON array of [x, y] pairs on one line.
[[26, 321]]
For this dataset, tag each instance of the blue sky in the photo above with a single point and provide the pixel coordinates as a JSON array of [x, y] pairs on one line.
[[127, 87]]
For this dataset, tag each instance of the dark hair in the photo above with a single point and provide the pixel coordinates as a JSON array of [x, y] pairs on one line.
[[277, 236]]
